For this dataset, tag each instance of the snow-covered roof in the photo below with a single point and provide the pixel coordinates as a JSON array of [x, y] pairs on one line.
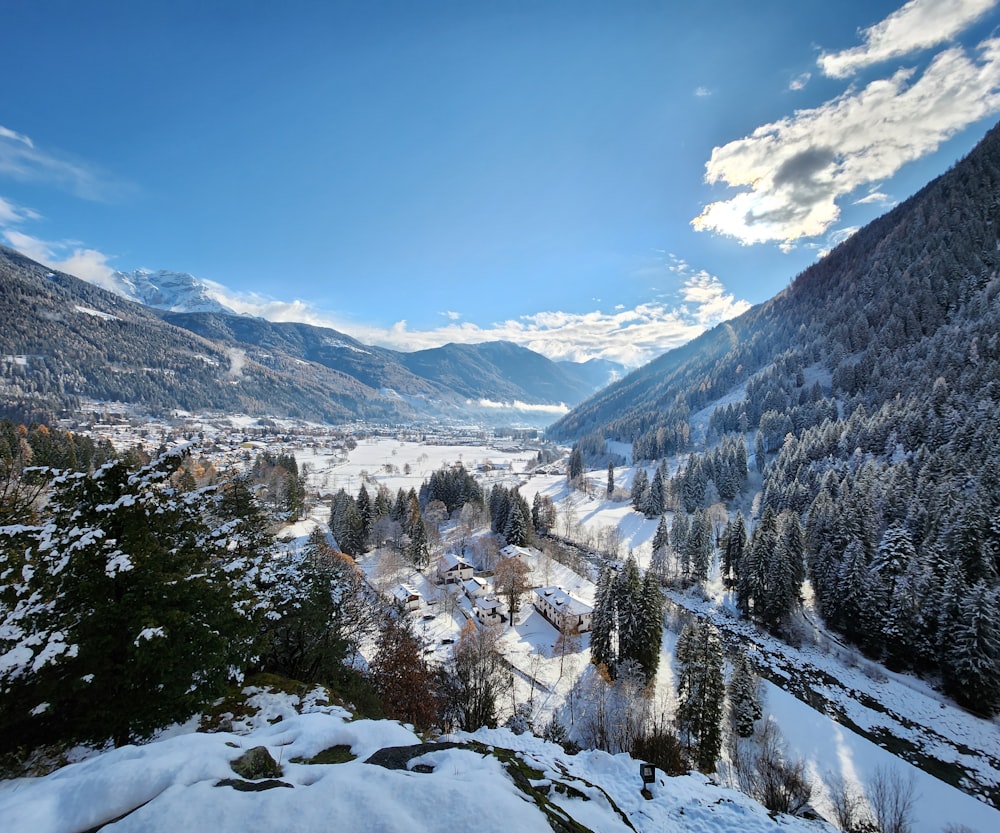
[[474, 586], [510, 551], [489, 603], [450, 561], [404, 592], [559, 598]]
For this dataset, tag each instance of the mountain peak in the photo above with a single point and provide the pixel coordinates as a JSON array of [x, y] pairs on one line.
[[166, 290]]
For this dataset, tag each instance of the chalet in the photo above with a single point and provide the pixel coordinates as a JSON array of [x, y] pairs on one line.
[[407, 597], [490, 610], [452, 569], [523, 554], [475, 588], [562, 610]]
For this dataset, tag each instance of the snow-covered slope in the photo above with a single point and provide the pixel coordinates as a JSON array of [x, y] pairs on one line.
[[162, 289], [490, 780]]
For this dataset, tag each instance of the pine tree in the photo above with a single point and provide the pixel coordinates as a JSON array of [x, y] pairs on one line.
[[973, 670], [611, 478], [628, 607], [701, 692], [744, 700], [640, 489], [678, 538], [654, 503], [734, 545], [127, 614], [659, 563], [602, 627], [652, 626]]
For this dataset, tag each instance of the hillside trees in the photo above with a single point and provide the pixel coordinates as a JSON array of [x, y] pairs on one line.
[[127, 612], [627, 624], [701, 692], [318, 608]]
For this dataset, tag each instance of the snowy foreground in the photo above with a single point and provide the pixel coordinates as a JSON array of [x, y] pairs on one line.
[[173, 784]]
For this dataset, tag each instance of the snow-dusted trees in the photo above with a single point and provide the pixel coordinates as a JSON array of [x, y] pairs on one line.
[[603, 622], [744, 698], [701, 691], [317, 609], [771, 569], [510, 516], [121, 611], [640, 490], [627, 625]]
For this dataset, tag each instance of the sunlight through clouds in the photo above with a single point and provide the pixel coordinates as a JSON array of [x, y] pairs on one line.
[[793, 171], [919, 24]]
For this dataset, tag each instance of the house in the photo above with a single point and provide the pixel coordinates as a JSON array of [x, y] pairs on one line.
[[452, 569], [490, 610], [407, 597], [562, 610], [475, 588], [522, 553]]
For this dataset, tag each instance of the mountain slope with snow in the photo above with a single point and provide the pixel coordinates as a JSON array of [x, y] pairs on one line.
[[166, 290]]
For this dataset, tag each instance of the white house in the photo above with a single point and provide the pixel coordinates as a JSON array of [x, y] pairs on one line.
[[522, 553], [562, 610], [475, 588], [407, 597], [490, 610], [453, 569]]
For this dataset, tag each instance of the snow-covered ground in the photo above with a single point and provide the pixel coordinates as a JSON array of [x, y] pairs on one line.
[[876, 701], [179, 783]]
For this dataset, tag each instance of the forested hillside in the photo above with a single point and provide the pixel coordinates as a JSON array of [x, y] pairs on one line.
[[870, 390]]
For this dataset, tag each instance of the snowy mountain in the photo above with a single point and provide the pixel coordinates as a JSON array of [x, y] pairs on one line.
[[64, 338], [162, 289]]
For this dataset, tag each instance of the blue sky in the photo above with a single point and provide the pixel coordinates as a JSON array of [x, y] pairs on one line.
[[584, 178]]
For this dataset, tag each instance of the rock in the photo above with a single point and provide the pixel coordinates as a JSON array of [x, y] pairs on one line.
[[256, 763]]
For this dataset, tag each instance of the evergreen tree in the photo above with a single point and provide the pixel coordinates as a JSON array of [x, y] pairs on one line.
[[734, 543], [698, 546], [629, 613], [678, 538], [611, 478], [127, 616], [655, 498], [701, 692], [973, 669], [744, 700], [652, 626], [602, 628], [574, 471], [640, 489], [659, 564]]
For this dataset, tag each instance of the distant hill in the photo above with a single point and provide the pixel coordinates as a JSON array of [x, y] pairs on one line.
[[64, 339]]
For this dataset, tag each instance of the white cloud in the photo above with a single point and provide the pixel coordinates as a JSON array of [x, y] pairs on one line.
[[799, 82], [702, 92], [630, 336], [20, 159], [451, 315], [11, 213], [792, 171], [518, 405], [7, 133], [66, 256], [919, 24]]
